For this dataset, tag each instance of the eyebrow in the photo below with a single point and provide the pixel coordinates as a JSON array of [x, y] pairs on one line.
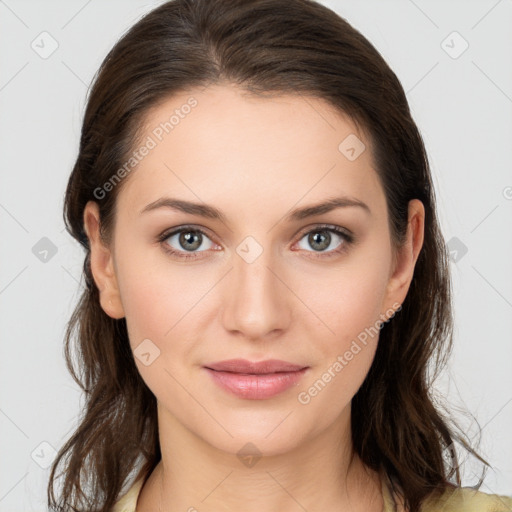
[[208, 211]]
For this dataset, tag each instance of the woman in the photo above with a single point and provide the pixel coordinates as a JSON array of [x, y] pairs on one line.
[[266, 277]]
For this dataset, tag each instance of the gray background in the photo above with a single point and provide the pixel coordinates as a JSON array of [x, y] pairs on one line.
[[461, 101]]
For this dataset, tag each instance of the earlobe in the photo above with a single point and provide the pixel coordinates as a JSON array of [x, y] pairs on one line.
[[407, 255], [102, 264]]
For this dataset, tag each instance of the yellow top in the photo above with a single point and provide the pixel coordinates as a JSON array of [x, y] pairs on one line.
[[460, 499]]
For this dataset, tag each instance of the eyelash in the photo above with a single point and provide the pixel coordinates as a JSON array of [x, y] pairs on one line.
[[349, 239]]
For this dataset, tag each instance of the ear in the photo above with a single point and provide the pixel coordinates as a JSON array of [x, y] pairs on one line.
[[406, 257], [102, 264]]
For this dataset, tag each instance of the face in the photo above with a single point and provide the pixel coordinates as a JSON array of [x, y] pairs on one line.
[[256, 281]]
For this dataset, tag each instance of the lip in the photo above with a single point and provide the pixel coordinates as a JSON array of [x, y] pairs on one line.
[[255, 380], [256, 367]]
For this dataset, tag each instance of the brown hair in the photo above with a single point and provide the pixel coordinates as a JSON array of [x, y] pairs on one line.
[[263, 46]]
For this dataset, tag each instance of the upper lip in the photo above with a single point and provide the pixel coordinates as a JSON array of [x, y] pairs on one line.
[[256, 367]]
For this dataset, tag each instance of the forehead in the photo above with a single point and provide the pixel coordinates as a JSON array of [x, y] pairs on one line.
[[220, 143]]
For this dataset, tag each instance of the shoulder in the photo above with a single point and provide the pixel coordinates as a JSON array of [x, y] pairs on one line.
[[128, 502], [467, 499], [452, 499], [459, 499]]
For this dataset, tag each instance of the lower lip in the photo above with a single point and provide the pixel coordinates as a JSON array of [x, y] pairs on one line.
[[256, 387]]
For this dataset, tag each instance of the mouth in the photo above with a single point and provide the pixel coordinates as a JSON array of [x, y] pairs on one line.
[[243, 366], [255, 381]]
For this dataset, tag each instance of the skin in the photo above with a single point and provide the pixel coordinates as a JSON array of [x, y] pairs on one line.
[[254, 159]]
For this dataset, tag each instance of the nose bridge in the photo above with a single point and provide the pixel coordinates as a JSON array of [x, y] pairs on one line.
[[256, 302]]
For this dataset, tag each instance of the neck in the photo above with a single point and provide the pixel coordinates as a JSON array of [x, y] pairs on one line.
[[321, 474]]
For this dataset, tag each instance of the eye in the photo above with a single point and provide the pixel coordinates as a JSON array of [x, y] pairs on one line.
[[186, 239], [321, 239]]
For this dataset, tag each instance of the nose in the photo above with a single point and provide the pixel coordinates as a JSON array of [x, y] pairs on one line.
[[257, 302]]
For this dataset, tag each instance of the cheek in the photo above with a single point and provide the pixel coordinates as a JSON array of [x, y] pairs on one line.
[[357, 303], [151, 290], [350, 304], [351, 298], [150, 312], [160, 302], [144, 293], [346, 356]]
